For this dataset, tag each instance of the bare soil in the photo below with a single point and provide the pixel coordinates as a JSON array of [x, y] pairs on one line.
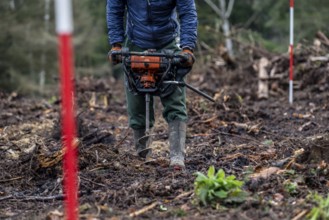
[[239, 133]]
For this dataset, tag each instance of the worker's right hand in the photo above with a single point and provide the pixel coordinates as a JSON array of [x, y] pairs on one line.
[[115, 58]]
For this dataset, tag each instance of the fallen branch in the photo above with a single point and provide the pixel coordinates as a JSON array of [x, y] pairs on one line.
[[122, 140], [209, 120], [40, 198], [96, 137], [46, 159], [88, 180], [143, 210], [6, 197], [36, 198], [300, 215], [319, 59], [184, 194], [323, 38], [33, 198], [12, 179]]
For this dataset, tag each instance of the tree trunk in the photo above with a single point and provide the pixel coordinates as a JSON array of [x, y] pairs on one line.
[[42, 74], [225, 14], [12, 4]]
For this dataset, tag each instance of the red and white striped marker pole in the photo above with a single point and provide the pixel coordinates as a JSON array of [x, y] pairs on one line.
[[291, 50], [64, 28]]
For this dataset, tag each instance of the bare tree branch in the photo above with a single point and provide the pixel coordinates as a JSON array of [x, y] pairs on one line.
[[214, 7], [229, 9], [222, 4]]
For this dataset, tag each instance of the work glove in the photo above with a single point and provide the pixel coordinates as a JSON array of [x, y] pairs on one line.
[[186, 64], [115, 58], [190, 58]]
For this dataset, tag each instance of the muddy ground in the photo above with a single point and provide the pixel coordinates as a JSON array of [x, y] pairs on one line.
[[239, 133]]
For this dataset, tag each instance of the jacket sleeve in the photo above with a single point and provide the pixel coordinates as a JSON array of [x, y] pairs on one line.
[[188, 22], [115, 10]]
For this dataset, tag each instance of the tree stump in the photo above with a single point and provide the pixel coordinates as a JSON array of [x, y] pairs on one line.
[[319, 147]]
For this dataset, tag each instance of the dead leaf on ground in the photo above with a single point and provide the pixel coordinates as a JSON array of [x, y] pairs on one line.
[[322, 165], [7, 214], [301, 116], [278, 197], [55, 215], [265, 173], [185, 208], [249, 128]]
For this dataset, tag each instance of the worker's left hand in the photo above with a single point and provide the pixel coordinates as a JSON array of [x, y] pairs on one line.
[[115, 58], [190, 58]]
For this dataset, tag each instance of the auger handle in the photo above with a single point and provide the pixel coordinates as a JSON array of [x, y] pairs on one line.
[[176, 59], [180, 83]]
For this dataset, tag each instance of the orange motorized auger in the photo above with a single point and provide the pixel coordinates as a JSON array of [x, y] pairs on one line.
[[150, 73], [148, 68]]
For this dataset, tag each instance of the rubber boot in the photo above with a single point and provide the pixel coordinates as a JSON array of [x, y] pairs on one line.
[[142, 143], [177, 136]]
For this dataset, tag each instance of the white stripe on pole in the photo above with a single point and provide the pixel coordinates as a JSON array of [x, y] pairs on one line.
[[64, 20], [291, 26], [291, 51], [291, 91]]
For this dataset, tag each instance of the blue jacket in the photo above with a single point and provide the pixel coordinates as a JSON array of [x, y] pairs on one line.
[[151, 24]]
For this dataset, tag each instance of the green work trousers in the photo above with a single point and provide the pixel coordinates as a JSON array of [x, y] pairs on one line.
[[174, 105]]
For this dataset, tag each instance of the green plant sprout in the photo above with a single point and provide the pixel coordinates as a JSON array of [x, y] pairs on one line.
[[321, 211], [291, 187], [217, 188]]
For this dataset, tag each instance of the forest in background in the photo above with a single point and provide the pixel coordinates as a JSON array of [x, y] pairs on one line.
[[28, 43]]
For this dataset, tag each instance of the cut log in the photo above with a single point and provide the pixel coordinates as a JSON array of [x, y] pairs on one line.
[[263, 78]]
